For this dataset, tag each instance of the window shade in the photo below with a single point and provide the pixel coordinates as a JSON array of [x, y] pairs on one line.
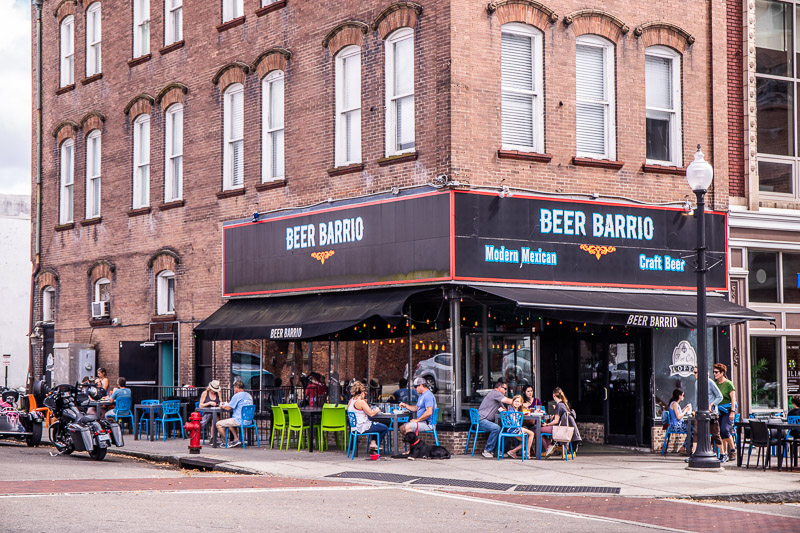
[[276, 104], [591, 110], [517, 62], [590, 73], [517, 119], [658, 82]]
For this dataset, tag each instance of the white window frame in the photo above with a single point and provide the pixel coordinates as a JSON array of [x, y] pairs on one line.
[[350, 55], [674, 114], [234, 95], [141, 28], [67, 161], [141, 161], [94, 24], [49, 304], [173, 154], [93, 172], [173, 24], [67, 32], [610, 134], [535, 92], [272, 129], [232, 9], [265, 3], [165, 293], [97, 289], [391, 98]]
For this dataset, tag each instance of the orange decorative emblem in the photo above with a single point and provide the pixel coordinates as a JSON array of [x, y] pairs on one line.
[[597, 251], [322, 256]]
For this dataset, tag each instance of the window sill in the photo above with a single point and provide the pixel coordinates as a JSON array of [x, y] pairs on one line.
[[267, 185], [597, 163], [93, 77], [139, 211], [524, 156], [139, 60], [65, 227], [172, 47], [349, 169], [165, 206], [91, 221], [95, 322], [661, 169], [230, 193], [231, 24], [66, 89], [163, 318], [270, 8], [399, 158]]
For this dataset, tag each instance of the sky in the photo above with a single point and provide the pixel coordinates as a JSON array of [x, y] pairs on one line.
[[15, 118]]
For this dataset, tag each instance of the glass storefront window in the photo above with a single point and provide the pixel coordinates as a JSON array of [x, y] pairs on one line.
[[763, 278], [791, 278], [674, 358], [511, 358], [775, 116], [765, 375], [792, 366], [773, 38], [775, 177]]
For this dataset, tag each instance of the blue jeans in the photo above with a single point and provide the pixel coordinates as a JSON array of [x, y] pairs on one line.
[[380, 429], [494, 430]]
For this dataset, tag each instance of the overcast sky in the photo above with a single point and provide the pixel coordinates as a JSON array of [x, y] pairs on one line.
[[15, 120]]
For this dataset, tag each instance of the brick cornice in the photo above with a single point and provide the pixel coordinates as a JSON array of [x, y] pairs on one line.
[[142, 103], [47, 278], [64, 8], [526, 11], [272, 59], [171, 94], [598, 22], [234, 72], [164, 259], [92, 120], [397, 15], [66, 129], [348, 33], [101, 268], [664, 33]]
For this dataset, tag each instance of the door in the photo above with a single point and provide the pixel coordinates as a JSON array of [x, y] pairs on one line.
[[622, 386], [167, 365]]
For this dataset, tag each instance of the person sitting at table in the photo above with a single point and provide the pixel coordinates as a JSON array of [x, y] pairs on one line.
[[530, 402], [677, 412], [239, 400], [487, 412], [209, 398], [359, 406], [102, 381], [562, 412], [795, 411], [401, 394], [426, 403], [516, 405], [120, 392]]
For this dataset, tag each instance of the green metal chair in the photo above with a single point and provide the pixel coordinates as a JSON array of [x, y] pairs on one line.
[[334, 420], [278, 422], [296, 425]]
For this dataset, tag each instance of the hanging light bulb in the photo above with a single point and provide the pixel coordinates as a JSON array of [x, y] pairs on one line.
[[427, 320], [476, 323], [402, 341]]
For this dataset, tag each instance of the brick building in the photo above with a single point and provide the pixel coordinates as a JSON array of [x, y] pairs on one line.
[[164, 125]]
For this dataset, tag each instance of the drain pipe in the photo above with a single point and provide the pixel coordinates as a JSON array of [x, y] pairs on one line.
[[37, 6]]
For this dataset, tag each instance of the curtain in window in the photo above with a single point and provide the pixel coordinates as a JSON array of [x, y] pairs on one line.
[[93, 36], [67, 51], [403, 85], [141, 150], [276, 126], [592, 107], [93, 175], [67, 180], [518, 85]]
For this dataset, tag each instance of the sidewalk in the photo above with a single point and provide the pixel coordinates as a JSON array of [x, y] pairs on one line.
[[596, 467]]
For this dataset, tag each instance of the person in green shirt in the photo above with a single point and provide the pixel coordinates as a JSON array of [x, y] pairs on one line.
[[727, 410]]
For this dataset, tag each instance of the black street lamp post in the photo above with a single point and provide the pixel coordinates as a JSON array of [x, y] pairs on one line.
[[699, 175]]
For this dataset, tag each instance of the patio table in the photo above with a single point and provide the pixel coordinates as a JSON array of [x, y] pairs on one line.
[[97, 404], [214, 416], [393, 416], [152, 409]]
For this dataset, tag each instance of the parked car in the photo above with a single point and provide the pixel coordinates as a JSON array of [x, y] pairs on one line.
[[438, 369], [624, 371]]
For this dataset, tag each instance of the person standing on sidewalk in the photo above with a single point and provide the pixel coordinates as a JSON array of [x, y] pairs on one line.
[[714, 399], [727, 410], [487, 412]]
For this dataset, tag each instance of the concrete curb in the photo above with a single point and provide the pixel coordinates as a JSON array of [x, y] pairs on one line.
[[175, 460], [789, 496]]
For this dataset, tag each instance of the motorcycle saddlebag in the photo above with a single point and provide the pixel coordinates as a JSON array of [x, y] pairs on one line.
[[81, 437], [116, 435]]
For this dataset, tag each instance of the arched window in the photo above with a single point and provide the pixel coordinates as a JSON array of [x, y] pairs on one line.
[[165, 289], [93, 37], [400, 92], [662, 80], [173, 164], [93, 149], [521, 73], [48, 304], [173, 27], [101, 300], [348, 106], [141, 161], [67, 181], [233, 170], [67, 51], [595, 134], [272, 109]]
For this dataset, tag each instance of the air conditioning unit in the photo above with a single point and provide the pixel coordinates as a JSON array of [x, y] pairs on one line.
[[100, 310]]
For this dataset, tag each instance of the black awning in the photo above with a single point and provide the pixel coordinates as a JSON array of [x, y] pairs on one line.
[[303, 316], [625, 308]]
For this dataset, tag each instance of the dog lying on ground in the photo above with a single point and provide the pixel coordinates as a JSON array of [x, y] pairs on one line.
[[419, 450]]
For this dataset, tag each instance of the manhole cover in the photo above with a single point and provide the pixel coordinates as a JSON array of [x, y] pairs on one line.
[[198, 463], [566, 489], [374, 476], [462, 483]]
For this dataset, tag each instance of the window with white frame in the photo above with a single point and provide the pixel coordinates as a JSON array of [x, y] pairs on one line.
[[348, 106], [595, 134], [662, 80], [48, 304], [141, 27], [232, 9], [67, 180], [272, 119], [102, 290], [233, 157], [173, 164], [67, 51], [141, 161], [173, 27], [267, 2], [93, 151], [93, 37], [165, 289], [400, 92], [521, 68]]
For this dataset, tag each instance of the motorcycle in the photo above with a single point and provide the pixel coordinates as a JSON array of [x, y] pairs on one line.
[[74, 430], [16, 420]]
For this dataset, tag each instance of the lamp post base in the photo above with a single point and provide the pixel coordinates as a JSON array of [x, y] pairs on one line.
[[705, 461]]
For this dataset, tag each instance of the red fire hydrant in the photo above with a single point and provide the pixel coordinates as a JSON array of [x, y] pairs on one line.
[[193, 427]]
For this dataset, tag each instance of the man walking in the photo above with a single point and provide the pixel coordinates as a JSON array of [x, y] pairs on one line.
[[727, 410], [487, 412]]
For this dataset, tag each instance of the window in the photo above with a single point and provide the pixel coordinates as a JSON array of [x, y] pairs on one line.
[[141, 161], [173, 176], [93, 174], [48, 304], [400, 92], [93, 40], [173, 28], [141, 27], [267, 2], [102, 290], [774, 277], [272, 109], [232, 9], [67, 180], [521, 72], [662, 72], [233, 170], [765, 374], [67, 51], [165, 288], [348, 106], [594, 90]]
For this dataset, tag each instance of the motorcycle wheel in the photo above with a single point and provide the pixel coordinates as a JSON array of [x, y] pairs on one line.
[[98, 454], [36, 438], [60, 439]]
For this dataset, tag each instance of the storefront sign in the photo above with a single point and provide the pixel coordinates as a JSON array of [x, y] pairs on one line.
[[792, 366], [285, 333], [684, 360], [653, 321]]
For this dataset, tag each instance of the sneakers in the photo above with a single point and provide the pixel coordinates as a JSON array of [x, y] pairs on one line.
[[723, 458], [235, 444], [512, 455], [486, 454], [550, 450]]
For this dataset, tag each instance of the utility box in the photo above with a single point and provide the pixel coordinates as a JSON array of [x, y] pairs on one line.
[[72, 362]]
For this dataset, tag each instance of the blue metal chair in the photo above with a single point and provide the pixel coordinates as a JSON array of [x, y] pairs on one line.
[[511, 426], [248, 421], [793, 441], [170, 412], [400, 421], [474, 419], [433, 420], [352, 445], [145, 418], [122, 411], [676, 427]]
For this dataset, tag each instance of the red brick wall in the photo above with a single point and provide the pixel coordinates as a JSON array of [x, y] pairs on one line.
[[736, 95]]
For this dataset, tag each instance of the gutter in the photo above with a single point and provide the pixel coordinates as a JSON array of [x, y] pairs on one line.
[[37, 6]]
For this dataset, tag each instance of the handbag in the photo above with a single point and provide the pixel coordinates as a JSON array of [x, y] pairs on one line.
[[563, 433]]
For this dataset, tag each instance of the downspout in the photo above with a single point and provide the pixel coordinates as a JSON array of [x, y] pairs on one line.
[[37, 6]]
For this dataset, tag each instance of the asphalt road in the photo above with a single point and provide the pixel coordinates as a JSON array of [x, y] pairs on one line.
[[74, 493]]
